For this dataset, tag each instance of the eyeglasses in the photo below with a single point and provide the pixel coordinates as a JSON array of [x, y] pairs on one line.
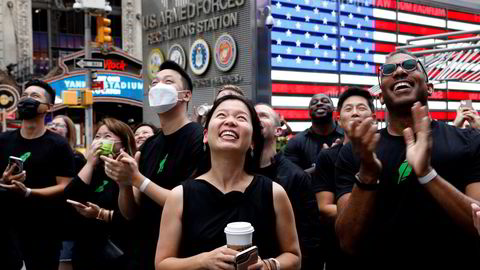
[[408, 65], [56, 125]]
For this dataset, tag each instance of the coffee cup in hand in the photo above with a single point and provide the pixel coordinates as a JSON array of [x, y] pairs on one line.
[[239, 235]]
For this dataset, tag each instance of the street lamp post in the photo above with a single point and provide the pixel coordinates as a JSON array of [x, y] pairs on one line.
[[88, 81], [90, 6]]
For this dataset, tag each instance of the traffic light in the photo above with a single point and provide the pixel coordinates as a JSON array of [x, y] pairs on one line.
[[103, 30], [77, 97]]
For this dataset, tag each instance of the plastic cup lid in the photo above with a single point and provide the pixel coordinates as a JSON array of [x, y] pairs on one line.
[[239, 228]]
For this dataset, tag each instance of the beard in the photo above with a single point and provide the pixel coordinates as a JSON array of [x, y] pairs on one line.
[[324, 119], [404, 108]]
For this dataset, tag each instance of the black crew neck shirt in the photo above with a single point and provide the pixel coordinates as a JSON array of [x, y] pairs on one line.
[[297, 184], [410, 228], [323, 178], [303, 149], [45, 158], [167, 160]]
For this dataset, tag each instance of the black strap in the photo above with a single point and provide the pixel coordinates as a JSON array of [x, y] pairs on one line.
[[361, 185]]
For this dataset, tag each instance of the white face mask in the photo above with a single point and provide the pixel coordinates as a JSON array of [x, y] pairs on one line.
[[163, 97]]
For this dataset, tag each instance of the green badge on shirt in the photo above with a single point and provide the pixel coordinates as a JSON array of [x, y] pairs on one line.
[[101, 188], [25, 156], [404, 171], [162, 164]]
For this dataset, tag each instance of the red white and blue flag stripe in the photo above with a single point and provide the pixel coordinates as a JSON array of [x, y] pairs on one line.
[[321, 46]]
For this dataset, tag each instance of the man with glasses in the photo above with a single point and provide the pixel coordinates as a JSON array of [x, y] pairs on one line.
[[30, 194], [404, 193]]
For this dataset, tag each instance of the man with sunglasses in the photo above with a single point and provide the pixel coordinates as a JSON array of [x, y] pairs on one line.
[[404, 192]]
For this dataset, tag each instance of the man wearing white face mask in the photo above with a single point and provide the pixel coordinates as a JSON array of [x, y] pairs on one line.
[[163, 161]]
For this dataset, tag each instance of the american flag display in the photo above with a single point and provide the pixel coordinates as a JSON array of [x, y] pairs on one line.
[[324, 46]]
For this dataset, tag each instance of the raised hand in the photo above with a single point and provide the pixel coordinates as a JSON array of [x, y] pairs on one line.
[[472, 117], [122, 169], [476, 216], [16, 186], [93, 153], [364, 138], [336, 142], [460, 117], [419, 150], [90, 210], [7, 176]]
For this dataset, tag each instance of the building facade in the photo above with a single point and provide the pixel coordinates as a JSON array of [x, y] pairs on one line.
[[34, 34]]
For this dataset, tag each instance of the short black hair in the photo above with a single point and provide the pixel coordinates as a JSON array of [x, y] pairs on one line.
[[174, 66], [355, 91], [144, 124], [45, 86], [231, 87], [401, 51]]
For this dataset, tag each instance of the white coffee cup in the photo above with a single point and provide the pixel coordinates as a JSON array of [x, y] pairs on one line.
[[239, 235]]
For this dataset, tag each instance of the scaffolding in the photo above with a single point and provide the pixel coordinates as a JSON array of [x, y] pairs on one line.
[[447, 58], [456, 59]]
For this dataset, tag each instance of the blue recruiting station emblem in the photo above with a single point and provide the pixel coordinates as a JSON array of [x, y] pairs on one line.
[[155, 59], [199, 57], [225, 52], [177, 55]]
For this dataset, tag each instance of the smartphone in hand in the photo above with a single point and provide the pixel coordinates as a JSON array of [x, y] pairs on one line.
[[75, 203], [466, 103], [17, 162], [245, 258]]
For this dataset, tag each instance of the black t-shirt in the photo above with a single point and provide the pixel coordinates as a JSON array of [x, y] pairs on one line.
[[297, 184], [324, 176], [90, 233], [207, 211], [79, 161], [303, 149], [45, 158], [167, 160], [409, 225]]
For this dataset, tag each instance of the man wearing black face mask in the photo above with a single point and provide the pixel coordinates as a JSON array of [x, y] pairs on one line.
[[304, 148], [30, 200]]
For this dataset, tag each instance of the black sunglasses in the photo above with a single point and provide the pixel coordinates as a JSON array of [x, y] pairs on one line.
[[408, 65]]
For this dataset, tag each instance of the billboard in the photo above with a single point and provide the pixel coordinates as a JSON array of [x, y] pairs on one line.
[[115, 85]]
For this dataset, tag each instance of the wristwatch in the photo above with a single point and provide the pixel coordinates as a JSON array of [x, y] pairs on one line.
[[364, 186]]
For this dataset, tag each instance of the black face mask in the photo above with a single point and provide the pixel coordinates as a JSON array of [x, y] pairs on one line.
[[28, 108]]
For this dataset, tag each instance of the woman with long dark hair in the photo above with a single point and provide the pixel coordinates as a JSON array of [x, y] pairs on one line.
[[196, 213], [102, 240]]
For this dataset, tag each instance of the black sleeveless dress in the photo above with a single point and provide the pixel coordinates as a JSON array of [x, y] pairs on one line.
[[207, 211]]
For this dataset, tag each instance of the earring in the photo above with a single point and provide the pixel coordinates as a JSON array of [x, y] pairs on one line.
[[251, 152], [204, 147]]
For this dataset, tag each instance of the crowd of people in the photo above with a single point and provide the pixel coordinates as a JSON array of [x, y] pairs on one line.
[[338, 195]]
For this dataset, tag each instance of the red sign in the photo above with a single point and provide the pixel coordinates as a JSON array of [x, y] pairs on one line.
[[97, 85], [410, 7], [115, 65], [427, 10]]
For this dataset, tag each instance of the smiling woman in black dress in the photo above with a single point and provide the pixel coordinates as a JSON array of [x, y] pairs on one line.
[[196, 213]]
